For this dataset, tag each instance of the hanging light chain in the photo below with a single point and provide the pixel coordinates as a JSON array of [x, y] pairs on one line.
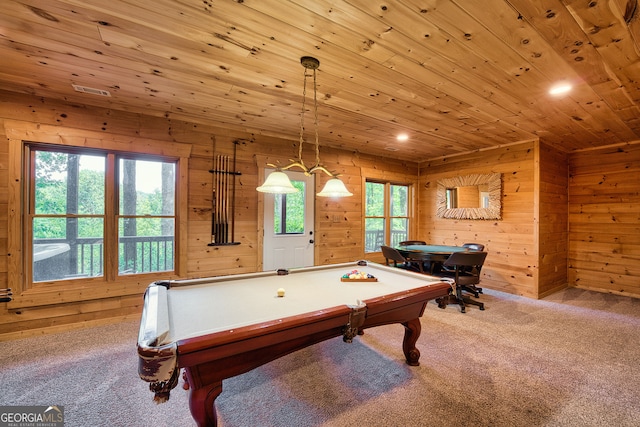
[[315, 112], [308, 63], [304, 98]]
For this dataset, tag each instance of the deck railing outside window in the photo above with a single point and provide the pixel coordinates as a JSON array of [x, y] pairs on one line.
[[85, 257], [373, 239]]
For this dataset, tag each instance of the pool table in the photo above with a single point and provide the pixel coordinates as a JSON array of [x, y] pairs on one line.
[[216, 328]]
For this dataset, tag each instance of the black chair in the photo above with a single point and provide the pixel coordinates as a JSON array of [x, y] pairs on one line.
[[392, 254], [474, 246], [412, 242], [464, 268], [423, 265], [476, 291]]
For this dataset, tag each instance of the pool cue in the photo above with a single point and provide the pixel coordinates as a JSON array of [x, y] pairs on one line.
[[214, 219], [223, 175], [213, 210], [215, 224], [233, 193], [219, 199], [217, 193], [226, 199], [223, 195], [213, 201]]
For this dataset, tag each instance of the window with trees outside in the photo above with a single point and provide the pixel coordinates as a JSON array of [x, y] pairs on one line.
[[288, 211], [95, 213], [386, 214]]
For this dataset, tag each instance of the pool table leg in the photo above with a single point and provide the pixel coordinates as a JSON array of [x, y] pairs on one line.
[[202, 402], [412, 330]]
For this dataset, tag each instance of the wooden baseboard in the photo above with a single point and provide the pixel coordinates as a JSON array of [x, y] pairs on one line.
[[67, 327], [607, 291], [553, 290]]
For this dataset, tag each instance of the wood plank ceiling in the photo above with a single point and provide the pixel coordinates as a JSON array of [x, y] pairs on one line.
[[455, 75]]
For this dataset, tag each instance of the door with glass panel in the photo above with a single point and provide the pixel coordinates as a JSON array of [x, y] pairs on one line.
[[288, 225]]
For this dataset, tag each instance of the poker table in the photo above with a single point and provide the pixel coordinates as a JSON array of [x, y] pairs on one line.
[[215, 328], [431, 255]]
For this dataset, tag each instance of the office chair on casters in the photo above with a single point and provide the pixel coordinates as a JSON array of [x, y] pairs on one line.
[[475, 290], [464, 268], [392, 254], [412, 242]]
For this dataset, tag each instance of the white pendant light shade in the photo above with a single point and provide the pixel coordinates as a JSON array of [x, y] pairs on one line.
[[334, 188], [278, 183]]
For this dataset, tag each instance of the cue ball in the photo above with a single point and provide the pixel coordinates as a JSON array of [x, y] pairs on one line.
[[280, 292]]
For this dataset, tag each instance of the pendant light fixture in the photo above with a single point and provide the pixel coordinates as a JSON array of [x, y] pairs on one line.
[[278, 182]]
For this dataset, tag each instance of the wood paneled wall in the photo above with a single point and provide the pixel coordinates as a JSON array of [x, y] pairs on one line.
[[551, 218], [527, 247], [515, 255], [339, 226], [604, 219]]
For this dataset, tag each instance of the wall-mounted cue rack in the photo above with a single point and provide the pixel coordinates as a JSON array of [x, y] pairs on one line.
[[224, 200]]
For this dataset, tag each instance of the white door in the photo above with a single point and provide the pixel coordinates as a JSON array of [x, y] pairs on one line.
[[288, 225]]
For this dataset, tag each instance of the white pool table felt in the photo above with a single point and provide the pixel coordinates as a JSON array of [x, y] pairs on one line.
[[196, 310]]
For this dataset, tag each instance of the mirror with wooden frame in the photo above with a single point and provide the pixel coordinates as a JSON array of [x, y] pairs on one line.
[[470, 197]]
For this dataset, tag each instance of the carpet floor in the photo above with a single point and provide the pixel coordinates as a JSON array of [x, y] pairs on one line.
[[571, 359]]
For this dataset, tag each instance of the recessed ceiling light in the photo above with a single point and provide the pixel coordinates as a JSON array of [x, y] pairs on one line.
[[402, 137], [560, 89]]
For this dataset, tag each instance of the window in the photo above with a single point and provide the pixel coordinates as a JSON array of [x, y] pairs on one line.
[[288, 211], [146, 220], [386, 214], [99, 214]]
